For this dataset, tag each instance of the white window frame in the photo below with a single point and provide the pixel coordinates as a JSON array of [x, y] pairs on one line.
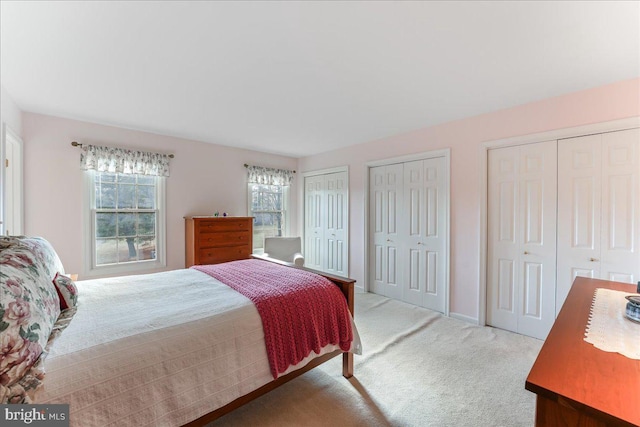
[[90, 267], [285, 213]]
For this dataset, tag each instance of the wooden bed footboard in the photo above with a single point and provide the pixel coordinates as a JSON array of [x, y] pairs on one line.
[[346, 285]]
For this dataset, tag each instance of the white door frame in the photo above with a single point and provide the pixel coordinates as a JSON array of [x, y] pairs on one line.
[[9, 134], [446, 153], [558, 134]]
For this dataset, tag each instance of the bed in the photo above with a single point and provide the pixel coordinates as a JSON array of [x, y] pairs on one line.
[[166, 349]]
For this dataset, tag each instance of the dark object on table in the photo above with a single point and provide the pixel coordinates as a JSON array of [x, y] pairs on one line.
[[633, 308]]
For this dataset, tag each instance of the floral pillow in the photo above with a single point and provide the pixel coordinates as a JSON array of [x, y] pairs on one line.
[[67, 291], [29, 304]]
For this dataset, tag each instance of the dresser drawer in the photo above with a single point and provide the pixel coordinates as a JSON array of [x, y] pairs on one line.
[[226, 224], [224, 238], [224, 254]]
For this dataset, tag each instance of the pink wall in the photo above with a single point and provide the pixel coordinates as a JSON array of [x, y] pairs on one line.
[[465, 137], [204, 178]]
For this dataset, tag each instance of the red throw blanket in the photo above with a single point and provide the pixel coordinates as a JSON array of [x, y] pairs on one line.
[[300, 311]]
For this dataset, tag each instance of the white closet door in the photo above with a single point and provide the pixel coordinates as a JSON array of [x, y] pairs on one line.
[[335, 233], [579, 179], [598, 209], [386, 193], [502, 238], [522, 238], [538, 194], [313, 222], [620, 237], [424, 215]]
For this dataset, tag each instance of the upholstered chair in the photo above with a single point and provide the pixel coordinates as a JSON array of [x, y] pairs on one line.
[[287, 249]]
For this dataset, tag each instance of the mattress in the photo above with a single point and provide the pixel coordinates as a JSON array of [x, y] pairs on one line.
[[157, 350]]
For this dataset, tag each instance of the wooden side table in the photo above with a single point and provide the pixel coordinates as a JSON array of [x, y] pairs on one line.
[[578, 384]]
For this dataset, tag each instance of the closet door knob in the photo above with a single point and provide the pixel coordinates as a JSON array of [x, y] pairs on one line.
[[593, 259], [526, 253]]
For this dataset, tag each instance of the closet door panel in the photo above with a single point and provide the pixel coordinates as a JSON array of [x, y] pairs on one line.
[[537, 204], [335, 233], [620, 237], [503, 247], [377, 218], [506, 292], [522, 238], [313, 222], [424, 220], [394, 236], [579, 220], [533, 279], [386, 197], [414, 218], [433, 240]]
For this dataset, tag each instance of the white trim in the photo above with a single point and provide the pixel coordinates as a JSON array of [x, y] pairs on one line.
[[464, 318], [558, 134], [595, 128], [365, 286], [89, 269], [326, 171], [7, 133], [446, 153], [447, 273]]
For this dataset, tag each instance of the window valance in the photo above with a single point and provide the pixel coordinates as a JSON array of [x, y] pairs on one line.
[[269, 176], [119, 160]]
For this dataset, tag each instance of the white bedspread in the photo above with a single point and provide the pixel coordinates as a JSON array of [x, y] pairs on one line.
[[156, 350]]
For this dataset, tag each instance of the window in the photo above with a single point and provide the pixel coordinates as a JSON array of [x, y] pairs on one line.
[[268, 202], [126, 222], [268, 205]]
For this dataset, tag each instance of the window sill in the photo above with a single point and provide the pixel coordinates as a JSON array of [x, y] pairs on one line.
[[124, 269]]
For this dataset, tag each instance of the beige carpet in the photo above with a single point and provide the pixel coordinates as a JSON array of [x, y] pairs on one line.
[[418, 368]]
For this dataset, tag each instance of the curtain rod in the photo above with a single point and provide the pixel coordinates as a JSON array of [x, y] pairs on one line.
[[77, 144], [246, 166]]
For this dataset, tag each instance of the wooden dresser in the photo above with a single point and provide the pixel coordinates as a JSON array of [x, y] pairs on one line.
[[576, 383], [212, 240]]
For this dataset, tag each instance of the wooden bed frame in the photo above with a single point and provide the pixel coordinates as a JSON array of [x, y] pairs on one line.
[[346, 285]]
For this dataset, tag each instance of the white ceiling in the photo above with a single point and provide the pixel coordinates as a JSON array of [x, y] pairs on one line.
[[300, 78]]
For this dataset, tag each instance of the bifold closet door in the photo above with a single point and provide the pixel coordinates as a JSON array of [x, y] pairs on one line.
[[598, 209], [424, 214], [326, 246], [385, 219], [313, 193], [521, 238], [335, 232], [408, 225]]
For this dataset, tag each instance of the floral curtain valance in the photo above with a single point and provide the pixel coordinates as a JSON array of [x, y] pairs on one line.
[[119, 160], [269, 176]]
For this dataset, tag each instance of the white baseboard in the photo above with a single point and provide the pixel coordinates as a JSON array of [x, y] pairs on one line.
[[463, 317]]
